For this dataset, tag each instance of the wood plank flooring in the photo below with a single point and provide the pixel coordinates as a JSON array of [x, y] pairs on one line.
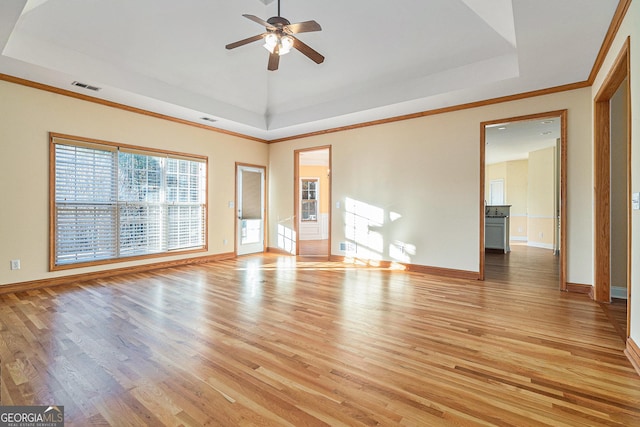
[[314, 248], [266, 340]]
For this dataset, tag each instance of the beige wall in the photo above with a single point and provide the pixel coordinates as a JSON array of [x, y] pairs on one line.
[[529, 189], [517, 195], [515, 176], [424, 173], [421, 176], [27, 116], [541, 194], [630, 28]]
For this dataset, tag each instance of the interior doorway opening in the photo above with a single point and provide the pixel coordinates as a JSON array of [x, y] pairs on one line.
[[313, 202], [523, 166], [612, 179]]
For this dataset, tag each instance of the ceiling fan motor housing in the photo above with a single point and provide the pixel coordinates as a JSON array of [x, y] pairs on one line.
[[278, 21]]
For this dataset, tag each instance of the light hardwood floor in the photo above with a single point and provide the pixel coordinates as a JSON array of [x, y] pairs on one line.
[[314, 248], [266, 340]]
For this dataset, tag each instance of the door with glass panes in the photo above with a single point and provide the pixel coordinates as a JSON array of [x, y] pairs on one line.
[[250, 207]]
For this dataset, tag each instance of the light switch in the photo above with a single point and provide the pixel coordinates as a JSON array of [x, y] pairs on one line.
[[231, 204], [635, 201]]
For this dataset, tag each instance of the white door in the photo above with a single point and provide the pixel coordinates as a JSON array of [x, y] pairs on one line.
[[496, 192], [250, 209]]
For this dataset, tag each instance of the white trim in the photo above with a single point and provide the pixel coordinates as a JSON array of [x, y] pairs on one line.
[[324, 226], [315, 230], [540, 245], [518, 238], [618, 292]]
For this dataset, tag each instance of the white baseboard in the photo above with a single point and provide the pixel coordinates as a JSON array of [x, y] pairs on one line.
[[518, 238], [618, 292], [540, 245]]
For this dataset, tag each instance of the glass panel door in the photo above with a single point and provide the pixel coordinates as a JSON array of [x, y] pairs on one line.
[[250, 199]]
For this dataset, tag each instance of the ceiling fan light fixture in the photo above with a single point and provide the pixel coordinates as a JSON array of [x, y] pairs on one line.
[[270, 42], [286, 43]]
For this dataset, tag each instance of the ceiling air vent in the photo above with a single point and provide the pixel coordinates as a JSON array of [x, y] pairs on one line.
[[86, 86], [208, 119]]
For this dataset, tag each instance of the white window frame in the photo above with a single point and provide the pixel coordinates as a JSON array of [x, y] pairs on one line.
[[316, 199]]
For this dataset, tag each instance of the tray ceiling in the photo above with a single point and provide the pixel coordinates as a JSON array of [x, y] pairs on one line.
[[383, 58]]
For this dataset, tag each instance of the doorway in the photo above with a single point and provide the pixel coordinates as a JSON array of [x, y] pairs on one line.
[[612, 215], [527, 156], [313, 202], [250, 209]]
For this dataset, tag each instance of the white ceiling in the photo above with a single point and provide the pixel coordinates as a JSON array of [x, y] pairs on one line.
[[515, 140], [315, 157], [383, 58]]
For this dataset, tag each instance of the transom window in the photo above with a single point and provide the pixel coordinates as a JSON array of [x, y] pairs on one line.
[[111, 202], [309, 199]]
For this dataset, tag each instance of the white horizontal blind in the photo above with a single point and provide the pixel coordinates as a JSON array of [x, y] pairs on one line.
[[113, 204], [141, 205], [85, 204], [186, 199]]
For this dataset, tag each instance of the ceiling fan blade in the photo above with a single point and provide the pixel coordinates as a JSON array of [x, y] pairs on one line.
[[274, 59], [259, 21], [307, 51], [302, 27], [245, 41]]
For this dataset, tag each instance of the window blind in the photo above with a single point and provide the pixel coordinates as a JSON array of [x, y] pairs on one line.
[[114, 203], [185, 193], [85, 200]]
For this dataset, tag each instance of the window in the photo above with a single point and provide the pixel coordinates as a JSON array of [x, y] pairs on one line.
[[112, 202], [309, 199]]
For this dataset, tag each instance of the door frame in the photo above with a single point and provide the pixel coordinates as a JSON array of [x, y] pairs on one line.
[[264, 207], [562, 114], [296, 194], [602, 178]]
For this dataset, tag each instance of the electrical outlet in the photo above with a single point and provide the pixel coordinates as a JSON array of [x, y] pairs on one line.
[[224, 241], [15, 264]]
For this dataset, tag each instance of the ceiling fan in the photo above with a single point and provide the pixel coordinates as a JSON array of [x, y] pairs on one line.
[[279, 38]]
